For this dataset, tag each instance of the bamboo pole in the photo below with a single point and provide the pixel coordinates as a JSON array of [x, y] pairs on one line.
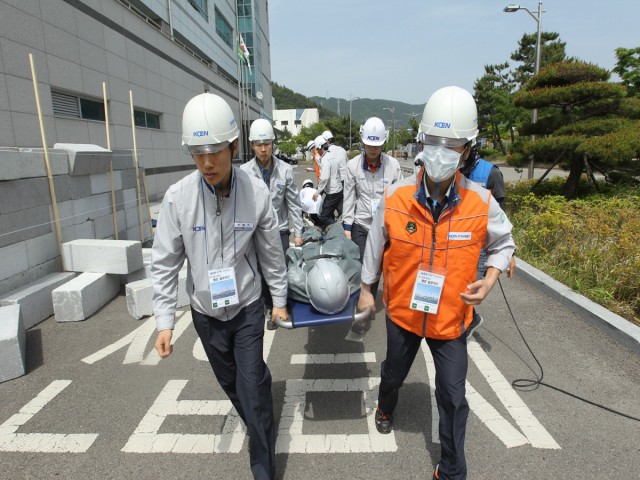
[[114, 214], [135, 161], [52, 190], [146, 195]]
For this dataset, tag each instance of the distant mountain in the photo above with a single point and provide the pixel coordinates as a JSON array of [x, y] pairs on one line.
[[363, 108], [287, 99]]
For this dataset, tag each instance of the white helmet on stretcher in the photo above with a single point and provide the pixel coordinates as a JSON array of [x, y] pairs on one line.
[[327, 287]]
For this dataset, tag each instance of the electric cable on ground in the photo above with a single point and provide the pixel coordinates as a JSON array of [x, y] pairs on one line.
[[522, 383]]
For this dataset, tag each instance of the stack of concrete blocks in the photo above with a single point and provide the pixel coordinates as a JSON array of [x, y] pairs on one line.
[[144, 272], [35, 298], [28, 242], [102, 262], [12, 344], [140, 295]]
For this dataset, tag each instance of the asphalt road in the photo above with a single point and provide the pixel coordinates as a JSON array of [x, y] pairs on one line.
[[98, 403]]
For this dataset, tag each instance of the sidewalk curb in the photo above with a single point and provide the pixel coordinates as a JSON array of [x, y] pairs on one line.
[[613, 325]]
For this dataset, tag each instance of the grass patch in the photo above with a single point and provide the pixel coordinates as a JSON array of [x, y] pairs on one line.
[[591, 244]]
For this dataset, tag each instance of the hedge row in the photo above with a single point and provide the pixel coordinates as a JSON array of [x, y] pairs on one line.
[[591, 244]]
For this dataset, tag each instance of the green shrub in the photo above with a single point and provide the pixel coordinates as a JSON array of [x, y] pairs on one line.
[[591, 244]]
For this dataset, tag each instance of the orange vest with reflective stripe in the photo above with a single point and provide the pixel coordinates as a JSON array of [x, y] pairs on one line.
[[453, 243], [316, 166]]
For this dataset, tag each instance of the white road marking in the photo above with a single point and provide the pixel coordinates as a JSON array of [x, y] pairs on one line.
[[146, 439], [291, 439], [495, 422], [528, 423], [10, 441], [138, 340], [328, 358]]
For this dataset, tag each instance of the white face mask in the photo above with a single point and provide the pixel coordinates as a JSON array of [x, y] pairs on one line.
[[440, 162]]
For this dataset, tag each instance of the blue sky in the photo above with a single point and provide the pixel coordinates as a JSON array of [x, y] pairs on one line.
[[406, 49]]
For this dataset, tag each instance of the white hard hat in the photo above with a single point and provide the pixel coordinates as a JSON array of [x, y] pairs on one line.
[[319, 141], [310, 145], [327, 287], [208, 120], [373, 132], [327, 135], [450, 118], [307, 182], [261, 131]]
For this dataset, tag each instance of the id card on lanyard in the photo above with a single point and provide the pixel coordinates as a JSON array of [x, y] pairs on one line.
[[223, 287], [427, 289]]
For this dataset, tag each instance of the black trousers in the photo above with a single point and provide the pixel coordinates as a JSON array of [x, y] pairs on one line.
[[234, 350], [266, 294], [450, 359], [332, 203], [359, 236]]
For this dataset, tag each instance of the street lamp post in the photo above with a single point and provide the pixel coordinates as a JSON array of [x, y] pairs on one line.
[[351, 99], [538, 18], [393, 120]]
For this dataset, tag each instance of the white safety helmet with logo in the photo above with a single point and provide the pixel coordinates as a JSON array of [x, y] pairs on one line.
[[327, 135], [307, 183], [310, 145], [373, 132], [208, 124], [450, 115], [261, 131], [449, 121], [327, 287]]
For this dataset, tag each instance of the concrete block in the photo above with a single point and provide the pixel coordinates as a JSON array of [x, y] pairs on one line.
[[42, 249], [81, 230], [17, 163], [30, 275], [140, 295], [24, 193], [25, 224], [85, 159], [84, 295], [102, 256], [141, 274], [101, 182], [126, 198], [12, 343], [35, 298], [133, 233], [122, 159], [13, 259], [103, 227]]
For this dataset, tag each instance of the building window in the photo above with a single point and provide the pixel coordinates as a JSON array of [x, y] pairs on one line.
[[244, 8], [223, 28], [201, 7], [297, 122], [146, 119], [284, 123], [66, 105]]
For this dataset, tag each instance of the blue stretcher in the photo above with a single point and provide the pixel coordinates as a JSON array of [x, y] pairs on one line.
[[304, 315]]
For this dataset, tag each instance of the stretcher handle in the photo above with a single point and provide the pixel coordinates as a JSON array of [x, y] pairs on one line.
[[357, 317]]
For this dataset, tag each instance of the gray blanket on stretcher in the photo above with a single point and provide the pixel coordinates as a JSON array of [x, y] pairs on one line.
[[332, 245]]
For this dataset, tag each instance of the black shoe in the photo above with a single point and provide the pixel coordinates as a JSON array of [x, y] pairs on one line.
[[475, 323], [384, 422]]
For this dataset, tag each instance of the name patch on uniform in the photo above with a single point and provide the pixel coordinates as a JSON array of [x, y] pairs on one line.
[[243, 227], [459, 235], [411, 227]]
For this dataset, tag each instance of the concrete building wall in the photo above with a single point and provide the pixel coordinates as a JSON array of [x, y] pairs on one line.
[[29, 247], [128, 44]]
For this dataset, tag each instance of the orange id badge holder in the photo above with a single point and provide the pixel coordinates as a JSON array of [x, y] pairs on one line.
[[427, 289]]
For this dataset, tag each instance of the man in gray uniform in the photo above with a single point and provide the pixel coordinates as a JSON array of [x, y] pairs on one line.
[[278, 176], [221, 220]]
